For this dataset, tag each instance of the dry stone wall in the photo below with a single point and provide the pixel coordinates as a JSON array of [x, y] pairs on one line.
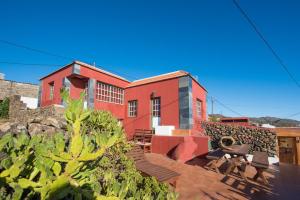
[[9, 88], [46, 120], [259, 139]]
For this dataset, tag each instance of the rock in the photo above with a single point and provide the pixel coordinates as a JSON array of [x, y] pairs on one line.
[[48, 130], [4, 128], [35, 120], [17, 128], [21, 128], [34, 128], [50, 121], [64, 124]]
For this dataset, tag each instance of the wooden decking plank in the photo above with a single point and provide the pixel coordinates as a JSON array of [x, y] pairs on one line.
[[160, 173]]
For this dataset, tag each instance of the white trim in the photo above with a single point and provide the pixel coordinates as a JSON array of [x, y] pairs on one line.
[[89, 66], [159, 76], [100, 70]]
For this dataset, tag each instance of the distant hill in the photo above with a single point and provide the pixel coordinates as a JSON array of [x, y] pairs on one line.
[[278, 122]]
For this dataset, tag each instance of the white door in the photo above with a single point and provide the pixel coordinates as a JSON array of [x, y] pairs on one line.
[[155, 112]]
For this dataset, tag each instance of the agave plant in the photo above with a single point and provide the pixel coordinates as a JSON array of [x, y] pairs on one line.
[[56, 168]]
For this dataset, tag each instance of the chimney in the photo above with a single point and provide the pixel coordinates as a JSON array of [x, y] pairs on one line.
[[2, 76]]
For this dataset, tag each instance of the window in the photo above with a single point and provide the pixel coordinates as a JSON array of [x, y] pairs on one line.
[[86, 91], [199, 108], [156, 107], [51, 95], [132, 108], [109, 93]]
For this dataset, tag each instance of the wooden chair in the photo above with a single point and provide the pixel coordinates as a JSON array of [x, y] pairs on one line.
[[162, 174], [143, 137], [214, 157], [261, 163]]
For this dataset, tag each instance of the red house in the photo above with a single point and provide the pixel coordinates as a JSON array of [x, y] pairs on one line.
[[175, 98]]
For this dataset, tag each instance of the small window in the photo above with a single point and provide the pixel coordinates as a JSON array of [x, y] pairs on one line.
[[132, 108], [51, 95], [199, 108], [156, 107]]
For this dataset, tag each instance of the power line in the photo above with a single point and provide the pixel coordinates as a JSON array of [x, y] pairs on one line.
[[49, 65], [293, 115], [35, 50], [287, 117], [69, 58], [51, 54], [265, 41], [28, 64], [227, 107]]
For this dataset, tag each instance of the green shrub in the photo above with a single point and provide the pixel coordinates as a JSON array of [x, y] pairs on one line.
[[90, 164], [259, 139], [117, 173], [4, 108]]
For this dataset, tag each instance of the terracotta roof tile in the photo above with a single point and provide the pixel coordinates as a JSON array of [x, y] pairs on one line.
[[158, 78]]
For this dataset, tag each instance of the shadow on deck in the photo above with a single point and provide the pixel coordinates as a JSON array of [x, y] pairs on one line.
[[197, 182]]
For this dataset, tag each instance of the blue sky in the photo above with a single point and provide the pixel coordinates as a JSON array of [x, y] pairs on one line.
[[210, 39]]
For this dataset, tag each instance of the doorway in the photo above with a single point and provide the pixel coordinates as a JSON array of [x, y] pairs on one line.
[[155, 112], [287, 150]]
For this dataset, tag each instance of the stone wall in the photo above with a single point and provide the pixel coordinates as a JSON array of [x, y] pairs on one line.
[[259, 139], [46, 120], [9, 88], [18, 112]]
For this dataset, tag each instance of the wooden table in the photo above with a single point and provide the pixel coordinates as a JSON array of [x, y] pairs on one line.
[[237, 152]]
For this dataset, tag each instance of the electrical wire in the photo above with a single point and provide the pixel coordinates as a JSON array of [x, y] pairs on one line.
[[265, 41]]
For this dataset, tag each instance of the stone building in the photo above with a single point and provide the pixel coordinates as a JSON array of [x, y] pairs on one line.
[[29, 92]]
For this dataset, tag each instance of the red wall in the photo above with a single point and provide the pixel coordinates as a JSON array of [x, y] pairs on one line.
[[77, 86], [57, 78], [116, 109], [168, 92], [198, 93], [95, 74]]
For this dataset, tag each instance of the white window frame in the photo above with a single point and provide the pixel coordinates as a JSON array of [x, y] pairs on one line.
[[132, 108], [109, 93], [156, 107], [199, 108], [51, 94]]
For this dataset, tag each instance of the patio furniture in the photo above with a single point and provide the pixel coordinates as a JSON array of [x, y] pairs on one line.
[[143, 137], [237, 152], [214, 157], [223, 143], [261, 163], [162, 174]]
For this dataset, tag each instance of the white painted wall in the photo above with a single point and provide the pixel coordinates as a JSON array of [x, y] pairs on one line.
[[30, 102]]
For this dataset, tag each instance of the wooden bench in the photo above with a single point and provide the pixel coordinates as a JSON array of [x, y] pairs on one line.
[[214, 157], [162, 174], [261, 163]]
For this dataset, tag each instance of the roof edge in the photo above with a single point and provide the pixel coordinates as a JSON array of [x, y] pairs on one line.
[[155, 81], [101, 70], [142, 79], [88, 66], [63, 67]]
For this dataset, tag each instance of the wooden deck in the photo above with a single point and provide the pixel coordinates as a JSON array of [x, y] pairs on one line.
[[197, 182]]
